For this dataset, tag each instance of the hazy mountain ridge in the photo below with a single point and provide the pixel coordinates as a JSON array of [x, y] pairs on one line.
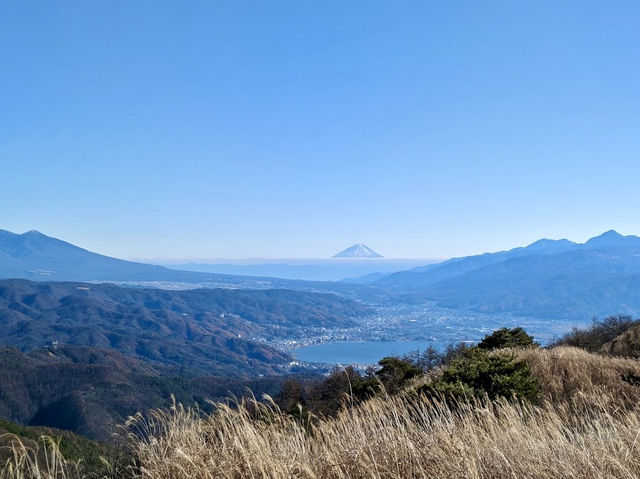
[[550, 278], [33, 255], [458, 266], [38, 257]]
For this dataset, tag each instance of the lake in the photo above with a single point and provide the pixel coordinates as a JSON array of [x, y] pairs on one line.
[[360, 352]]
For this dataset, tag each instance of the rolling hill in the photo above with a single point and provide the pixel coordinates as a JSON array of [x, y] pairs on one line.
[[83, 357], [206, 330], [89, 390]]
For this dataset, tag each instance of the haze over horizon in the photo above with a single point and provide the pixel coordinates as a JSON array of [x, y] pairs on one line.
[[221, 130], [168, 261]]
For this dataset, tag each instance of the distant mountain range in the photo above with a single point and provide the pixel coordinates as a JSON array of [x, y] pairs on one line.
[[358, 251], [549, 278], [33, 255], [38, 257]]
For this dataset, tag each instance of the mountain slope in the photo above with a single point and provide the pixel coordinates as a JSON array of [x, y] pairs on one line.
[[33, 255], [425, 275], [89, 390], [612, 238], [577, 284], [206, 330], [38, 257], [554, 279]]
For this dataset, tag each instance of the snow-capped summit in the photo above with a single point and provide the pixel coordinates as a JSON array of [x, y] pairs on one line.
[[358, 251]]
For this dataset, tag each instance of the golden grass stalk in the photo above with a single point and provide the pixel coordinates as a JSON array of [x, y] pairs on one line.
[[40, 460]]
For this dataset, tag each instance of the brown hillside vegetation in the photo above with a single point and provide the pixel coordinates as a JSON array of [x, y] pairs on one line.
[[572, 375], [626, 344], [587, 425]]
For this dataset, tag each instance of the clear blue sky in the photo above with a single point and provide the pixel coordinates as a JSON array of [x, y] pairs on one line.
[[294, 129]]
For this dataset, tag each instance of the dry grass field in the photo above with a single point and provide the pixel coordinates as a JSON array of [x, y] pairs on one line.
[[587, 425]]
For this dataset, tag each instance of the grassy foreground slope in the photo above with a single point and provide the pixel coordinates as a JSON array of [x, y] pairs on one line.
[[585, 424]]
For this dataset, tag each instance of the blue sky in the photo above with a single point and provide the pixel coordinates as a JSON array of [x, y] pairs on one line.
[[294, 129]]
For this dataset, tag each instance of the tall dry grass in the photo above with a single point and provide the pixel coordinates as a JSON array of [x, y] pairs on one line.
[[569, 374], [34, 460], [587, 426], [396, 438]]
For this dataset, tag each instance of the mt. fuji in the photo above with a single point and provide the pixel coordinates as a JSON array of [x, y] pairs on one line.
[[358, 251]]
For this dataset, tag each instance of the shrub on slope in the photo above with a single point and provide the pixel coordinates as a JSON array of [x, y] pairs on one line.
[[626, 344], [599, 334], [479, 373]]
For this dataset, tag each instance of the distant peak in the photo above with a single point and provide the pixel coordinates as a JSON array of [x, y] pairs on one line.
[[613, 238], [611, 234], [358, 250], [546, 243], [33, 232]]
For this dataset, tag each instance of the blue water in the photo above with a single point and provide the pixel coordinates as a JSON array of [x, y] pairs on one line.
[[357, 352]]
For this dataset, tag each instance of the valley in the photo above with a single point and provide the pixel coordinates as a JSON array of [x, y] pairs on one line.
[[85, 353], [410, 327], [319, 240]]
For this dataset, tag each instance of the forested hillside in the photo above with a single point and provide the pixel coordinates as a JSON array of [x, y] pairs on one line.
[[89, 391], [206, 331]]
